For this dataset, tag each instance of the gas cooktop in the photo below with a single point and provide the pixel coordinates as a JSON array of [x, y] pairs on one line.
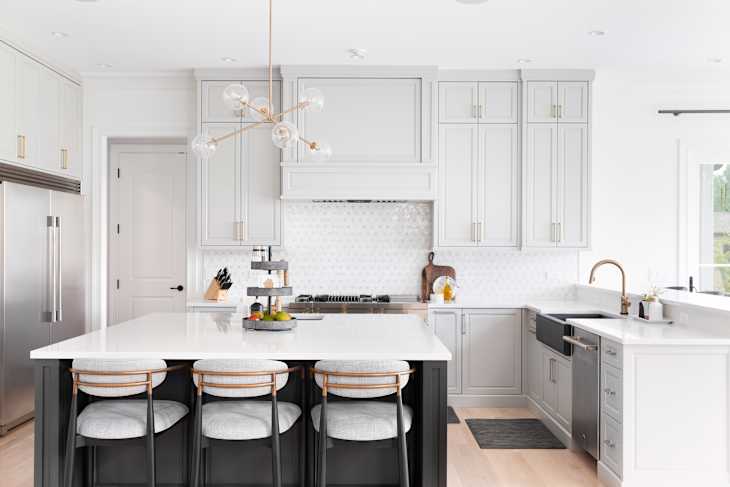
[[357, 303], [343, 298]]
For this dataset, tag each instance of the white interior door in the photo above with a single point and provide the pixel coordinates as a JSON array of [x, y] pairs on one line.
[[148, 248]]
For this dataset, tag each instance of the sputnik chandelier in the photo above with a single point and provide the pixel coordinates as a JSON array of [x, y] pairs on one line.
[[283, 134]]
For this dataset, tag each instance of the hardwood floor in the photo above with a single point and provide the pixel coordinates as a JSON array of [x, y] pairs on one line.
[[468, 466]]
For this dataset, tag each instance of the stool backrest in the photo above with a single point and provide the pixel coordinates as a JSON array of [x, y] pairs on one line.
[[366, 375], [131, 375], [244, 377]]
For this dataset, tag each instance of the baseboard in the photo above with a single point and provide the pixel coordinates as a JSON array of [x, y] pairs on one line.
[[606, 476], [468, 401], [555, 428]]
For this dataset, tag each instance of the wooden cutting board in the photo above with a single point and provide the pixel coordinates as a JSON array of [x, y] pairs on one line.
[[432, 272]]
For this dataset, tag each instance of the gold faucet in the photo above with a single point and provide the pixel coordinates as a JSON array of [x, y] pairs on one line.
[[625, 303]]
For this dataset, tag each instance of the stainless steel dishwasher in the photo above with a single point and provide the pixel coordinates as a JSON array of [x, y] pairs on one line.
[[586, 383]]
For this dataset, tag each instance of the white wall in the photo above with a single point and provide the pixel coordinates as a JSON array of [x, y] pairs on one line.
[[152, 106], [635, 169]]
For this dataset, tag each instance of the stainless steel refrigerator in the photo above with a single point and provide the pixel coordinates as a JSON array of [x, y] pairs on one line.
[[42, 285]]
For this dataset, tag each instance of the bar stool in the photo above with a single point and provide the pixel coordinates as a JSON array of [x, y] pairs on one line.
[[358, 420], [109, 421], [243, 420]]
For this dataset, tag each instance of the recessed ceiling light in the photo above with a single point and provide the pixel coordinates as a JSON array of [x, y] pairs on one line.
[[59, 35], [524, 60], [597, 33], [472, 2], [227, 59], [715, 60], [104, 65], [357, 53]]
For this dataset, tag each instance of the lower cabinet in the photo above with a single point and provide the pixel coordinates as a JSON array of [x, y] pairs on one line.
[[557, 386], [611, 445], [486, 346], [533, 362]]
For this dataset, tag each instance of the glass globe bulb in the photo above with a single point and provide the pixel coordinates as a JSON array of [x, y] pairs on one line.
[[320, 151], [260, 108], [284, 134], [313, 98], [235, 96], [204, 146]]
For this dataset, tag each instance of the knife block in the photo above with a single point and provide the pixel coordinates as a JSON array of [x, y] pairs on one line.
[[215, 293]]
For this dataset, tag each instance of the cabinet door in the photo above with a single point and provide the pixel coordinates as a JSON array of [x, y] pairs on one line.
[[447, 325], [365, 120], [492, 349], [261, 183], [540, 185], [573, 102], [549, 382], [498, 185], [564, 406], [71, 159], [212, 108], [8, 136], [534, 366], [458, 172], [572, 189], [220, 192], [542, 101], [458, 102], [48, 143], [498, 102], [27, 109]]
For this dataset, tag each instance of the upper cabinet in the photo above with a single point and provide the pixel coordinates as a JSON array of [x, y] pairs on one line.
[[479, 165], [213, 110], [40, 123], [366, 120], [557, 165], [478, 102], [557, 101]]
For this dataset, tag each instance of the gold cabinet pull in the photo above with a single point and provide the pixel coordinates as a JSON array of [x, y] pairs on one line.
[[21, 146], [64, 158]]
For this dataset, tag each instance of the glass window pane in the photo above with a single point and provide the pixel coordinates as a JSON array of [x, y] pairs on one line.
[[721, 215], [715, 279]]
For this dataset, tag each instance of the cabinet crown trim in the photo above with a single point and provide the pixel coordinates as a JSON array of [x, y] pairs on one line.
[[558, 74], [335, 71]]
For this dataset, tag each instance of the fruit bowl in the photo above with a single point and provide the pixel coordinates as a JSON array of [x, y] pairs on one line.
[[270, 325]]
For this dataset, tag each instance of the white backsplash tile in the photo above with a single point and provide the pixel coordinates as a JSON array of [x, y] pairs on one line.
[[349, 248]]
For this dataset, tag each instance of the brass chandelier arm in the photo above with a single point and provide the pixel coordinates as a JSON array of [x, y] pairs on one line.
[[249, 126], [298, 106]]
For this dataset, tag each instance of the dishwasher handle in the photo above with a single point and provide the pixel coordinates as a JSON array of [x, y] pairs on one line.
[[578, 343]]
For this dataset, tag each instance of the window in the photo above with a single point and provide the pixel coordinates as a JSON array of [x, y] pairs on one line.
[[714, 258]]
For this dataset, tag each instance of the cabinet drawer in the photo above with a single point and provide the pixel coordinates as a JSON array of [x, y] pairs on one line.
[[611, 353], [611, 393], [610, 446]]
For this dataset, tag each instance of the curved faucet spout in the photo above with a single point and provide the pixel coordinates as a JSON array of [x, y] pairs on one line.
[[625, 303]]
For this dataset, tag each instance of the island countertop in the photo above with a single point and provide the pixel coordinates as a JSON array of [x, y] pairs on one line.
[[192, 336]]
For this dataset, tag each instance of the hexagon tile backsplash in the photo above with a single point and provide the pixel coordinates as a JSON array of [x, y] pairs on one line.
[[351, 248]]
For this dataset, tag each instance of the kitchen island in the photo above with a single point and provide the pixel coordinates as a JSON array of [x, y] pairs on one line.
[[186, 337]]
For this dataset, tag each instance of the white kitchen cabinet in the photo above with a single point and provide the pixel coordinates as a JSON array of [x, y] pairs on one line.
[[365, 120], [573, 102], [8, 136], [557, 387], [70, 130], [498, 102], [479, 193], [459, 172], [556, 186], [572, 185], [214, 110], [448, 326], [492, 346], [458, 102], [498, 186], [240, 187], [48, 139], [534, 363], [28, 110]]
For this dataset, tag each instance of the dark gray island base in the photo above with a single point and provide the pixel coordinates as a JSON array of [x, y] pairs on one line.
[[243, 463]]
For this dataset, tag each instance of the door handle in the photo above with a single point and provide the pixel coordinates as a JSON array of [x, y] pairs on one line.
[[50, 314], [578, 343], [21, 147], [179, 287], [64, 158], [59, 272]]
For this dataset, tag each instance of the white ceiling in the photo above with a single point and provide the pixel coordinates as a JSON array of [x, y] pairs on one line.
[[154, 35]]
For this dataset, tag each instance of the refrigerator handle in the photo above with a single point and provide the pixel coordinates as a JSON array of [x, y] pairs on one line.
[[50, 314], [59, 272]]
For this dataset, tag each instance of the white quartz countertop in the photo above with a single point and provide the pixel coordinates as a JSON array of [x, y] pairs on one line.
[[635, 332], [191, 336]]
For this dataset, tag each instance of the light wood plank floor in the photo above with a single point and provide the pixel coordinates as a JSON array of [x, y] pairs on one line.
[[468, 466]]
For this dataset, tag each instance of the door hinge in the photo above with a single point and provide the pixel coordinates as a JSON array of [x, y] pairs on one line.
[[117, 283]]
